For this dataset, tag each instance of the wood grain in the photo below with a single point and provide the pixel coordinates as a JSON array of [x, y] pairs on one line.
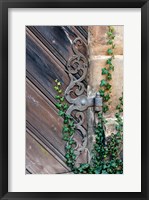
[[47, 52], [42, 115], [58, 37], [43, 67], [38, 159]]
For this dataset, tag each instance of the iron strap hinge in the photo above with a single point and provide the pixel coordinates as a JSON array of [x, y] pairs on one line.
[[83, 102], [75, 94]]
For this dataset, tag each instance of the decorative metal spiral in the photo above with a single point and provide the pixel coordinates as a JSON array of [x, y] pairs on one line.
[[77, 64]]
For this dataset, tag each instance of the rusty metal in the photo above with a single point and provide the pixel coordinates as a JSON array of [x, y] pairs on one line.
[[78, 65], [98, 102]]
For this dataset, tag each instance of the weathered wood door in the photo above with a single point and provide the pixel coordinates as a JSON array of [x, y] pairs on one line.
[[48, 48]]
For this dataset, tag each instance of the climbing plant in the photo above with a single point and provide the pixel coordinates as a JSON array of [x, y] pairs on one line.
[[68, 129], [106, 154]]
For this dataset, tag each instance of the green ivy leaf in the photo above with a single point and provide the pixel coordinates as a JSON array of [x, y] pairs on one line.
[[84, 165], [67, 116], [111, 28], [58, 105], [109, 61], [108, 86], [113, 46], [71, 132], [65, 121], [121, 98], [68, 147], [74, 157], [56, 88], [65, 106], [110, 42], [113, 164], [118, 128], [80, 169], [101, 91], [65, 138], [62, 99], [105, 108], [121, 110], [97, 131], [67, 156], [103, 83], [106, 97], [104, 71], [57, 97], [109, 76], [65, 129], [61, 113], [117, 115], [118, 107], [71, 151], [100, 115], [60, 91], [104, 172], [109, 33], [110, 51], [71, 124], [59, 83], [111, 67], [112, 37], [69, 161]]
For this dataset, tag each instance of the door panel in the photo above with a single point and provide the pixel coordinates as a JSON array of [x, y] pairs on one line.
[[48, 49]]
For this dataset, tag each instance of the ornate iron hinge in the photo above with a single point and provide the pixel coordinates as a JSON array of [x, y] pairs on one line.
[[75, 93]]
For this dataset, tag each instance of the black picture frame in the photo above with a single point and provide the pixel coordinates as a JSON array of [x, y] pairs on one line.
[[4, 6]]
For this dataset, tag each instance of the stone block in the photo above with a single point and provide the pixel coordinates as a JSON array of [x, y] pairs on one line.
[[95, 78], [98, 40]]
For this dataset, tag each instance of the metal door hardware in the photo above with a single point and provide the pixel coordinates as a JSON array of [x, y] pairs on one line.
[[75, 93], [81, 103]]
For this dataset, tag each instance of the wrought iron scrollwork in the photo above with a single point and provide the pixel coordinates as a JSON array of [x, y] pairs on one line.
[[77, 66]]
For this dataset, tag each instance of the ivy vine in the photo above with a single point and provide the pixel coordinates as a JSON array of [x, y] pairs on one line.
[[68, 129], [107, 158]]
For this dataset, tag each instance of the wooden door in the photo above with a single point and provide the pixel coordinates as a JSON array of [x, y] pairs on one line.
[[48, 49]]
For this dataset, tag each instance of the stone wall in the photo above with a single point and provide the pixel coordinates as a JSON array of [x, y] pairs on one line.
[[97, 40]]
